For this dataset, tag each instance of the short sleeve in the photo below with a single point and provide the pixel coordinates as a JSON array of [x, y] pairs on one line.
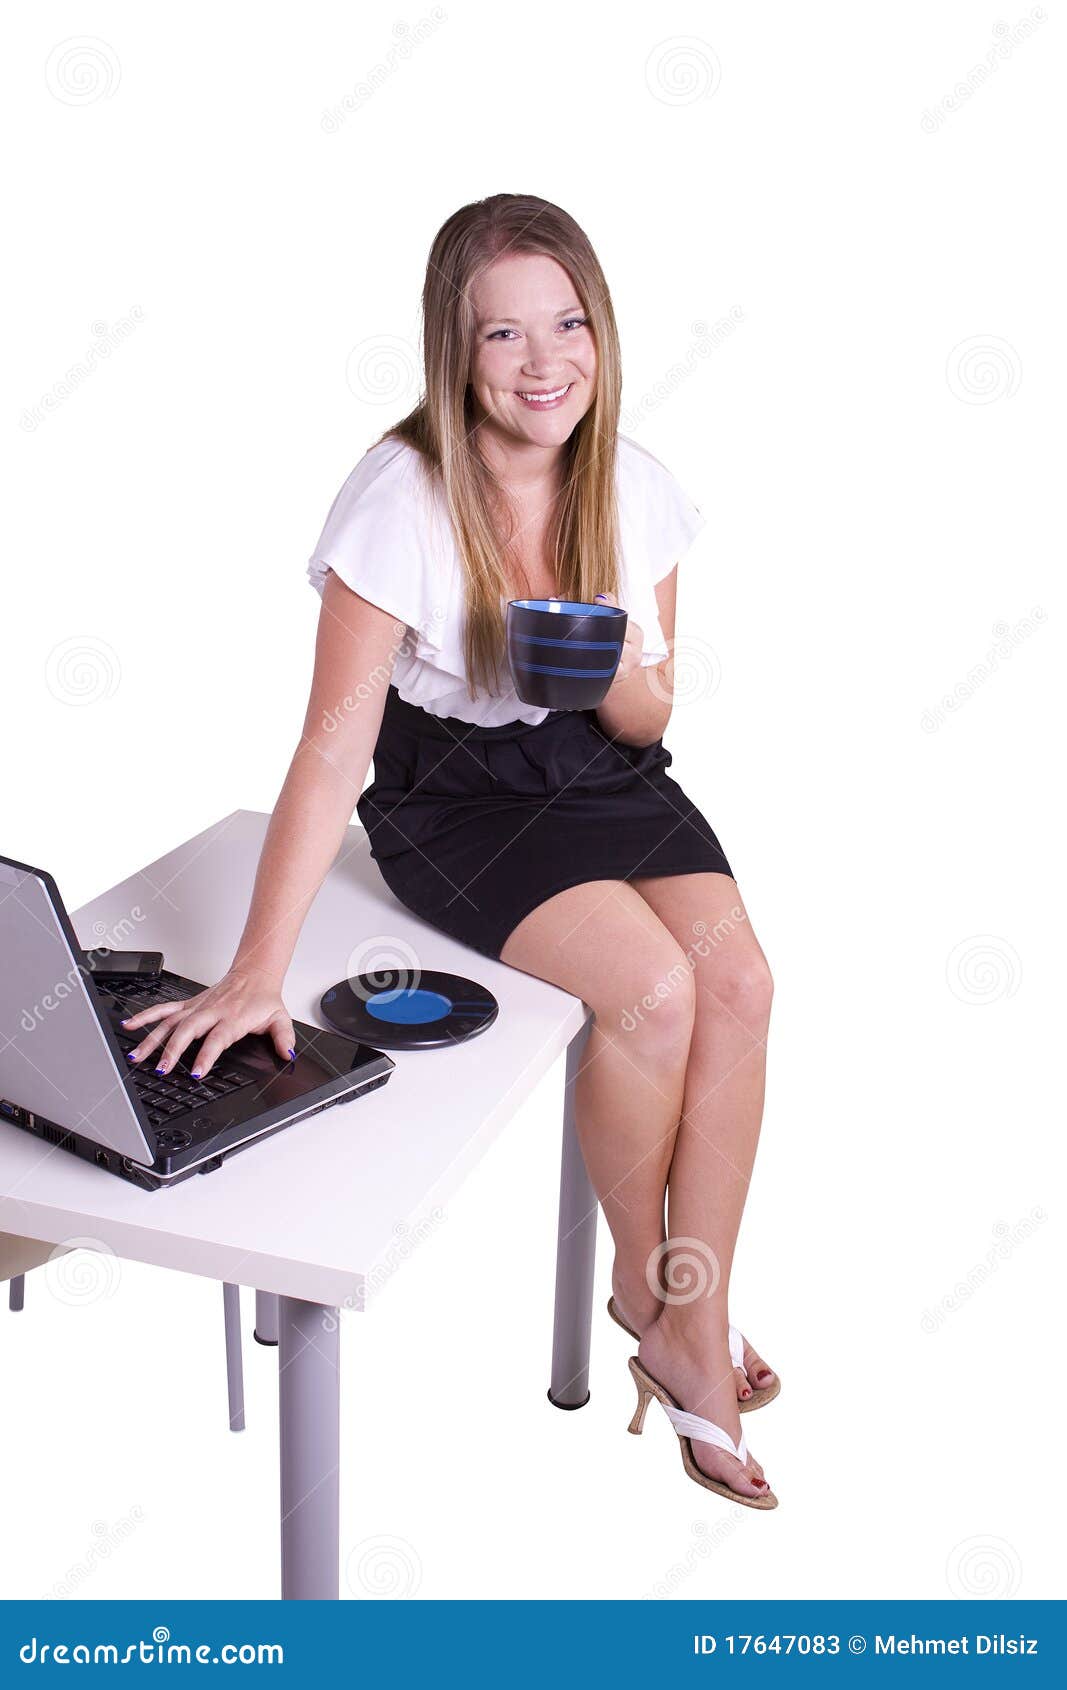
[[380, 538], [658, 523]]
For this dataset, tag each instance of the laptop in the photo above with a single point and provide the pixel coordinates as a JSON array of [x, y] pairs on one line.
[[64, 1075]]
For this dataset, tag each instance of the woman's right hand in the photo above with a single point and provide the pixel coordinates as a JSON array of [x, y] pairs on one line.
[[246, 1000]]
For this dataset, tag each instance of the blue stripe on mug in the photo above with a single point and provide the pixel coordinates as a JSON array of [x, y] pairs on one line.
[[569, 674], [573, 645]]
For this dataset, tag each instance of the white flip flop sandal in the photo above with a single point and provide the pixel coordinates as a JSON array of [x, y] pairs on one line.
[[690, 1428], [760, 1397]]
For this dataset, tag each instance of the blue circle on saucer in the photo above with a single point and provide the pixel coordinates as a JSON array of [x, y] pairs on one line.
[[408, 1008], [399, 1009]]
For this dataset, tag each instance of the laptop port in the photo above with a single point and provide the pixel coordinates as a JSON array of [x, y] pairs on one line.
[[10, 1111], [103, 1159]]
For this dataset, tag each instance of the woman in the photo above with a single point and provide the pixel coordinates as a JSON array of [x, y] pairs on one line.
[[554, 840]]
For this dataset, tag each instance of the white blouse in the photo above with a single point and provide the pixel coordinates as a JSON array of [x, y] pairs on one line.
[[389, 537]]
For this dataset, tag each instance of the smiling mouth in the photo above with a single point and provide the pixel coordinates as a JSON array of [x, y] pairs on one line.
[[544, 398]]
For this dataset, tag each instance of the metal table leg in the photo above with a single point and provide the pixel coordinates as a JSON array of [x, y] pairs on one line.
[[575, 1255], [235, 1382], [266, 1327], [309, 1398], [16, 1295]]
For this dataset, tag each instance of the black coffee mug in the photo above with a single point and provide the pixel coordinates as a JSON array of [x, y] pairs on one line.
[[564, 655]]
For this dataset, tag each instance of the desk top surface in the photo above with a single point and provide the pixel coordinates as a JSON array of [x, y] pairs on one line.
[[321, 1209]]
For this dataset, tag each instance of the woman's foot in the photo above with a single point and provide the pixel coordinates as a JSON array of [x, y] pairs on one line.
[[640, 1308], [695, 1368]]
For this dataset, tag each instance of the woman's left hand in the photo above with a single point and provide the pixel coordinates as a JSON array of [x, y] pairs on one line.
[[633, 644]]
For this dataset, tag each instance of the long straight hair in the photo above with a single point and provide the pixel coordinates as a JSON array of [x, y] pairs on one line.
[[583, 524]]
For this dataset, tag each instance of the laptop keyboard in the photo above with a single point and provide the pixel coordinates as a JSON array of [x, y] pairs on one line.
[[167, 1097]]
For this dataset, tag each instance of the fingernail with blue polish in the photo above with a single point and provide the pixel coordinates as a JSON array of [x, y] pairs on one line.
[[292, 1053], [161, 1070], [196, 1073]]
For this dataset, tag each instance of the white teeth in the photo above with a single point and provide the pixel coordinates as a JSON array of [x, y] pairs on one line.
[[544, 398]]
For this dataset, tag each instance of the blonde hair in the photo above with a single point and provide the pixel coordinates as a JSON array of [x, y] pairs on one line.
[[583, 527]]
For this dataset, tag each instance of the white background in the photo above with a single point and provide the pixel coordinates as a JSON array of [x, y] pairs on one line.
[[874, 443]]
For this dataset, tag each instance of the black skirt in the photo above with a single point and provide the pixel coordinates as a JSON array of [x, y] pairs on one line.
[[473, 827]]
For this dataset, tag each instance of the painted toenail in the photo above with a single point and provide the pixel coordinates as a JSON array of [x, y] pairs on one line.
[[745, 1394], [764, 1373]]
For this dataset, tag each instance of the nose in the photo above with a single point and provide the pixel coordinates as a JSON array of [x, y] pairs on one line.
[[543, 355]]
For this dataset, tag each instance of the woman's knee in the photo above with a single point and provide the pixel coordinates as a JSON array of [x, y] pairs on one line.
[[652, 999], [740, 985]]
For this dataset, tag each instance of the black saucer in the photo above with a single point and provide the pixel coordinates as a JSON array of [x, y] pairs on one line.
[[396, 1009]]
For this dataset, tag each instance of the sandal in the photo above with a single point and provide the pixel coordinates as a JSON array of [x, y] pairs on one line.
[[688, 1428], [759, 1398]]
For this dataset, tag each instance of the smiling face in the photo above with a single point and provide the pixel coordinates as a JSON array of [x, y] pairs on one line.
[[534, 367]]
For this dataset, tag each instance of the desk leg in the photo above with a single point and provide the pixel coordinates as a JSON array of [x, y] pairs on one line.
[[266, 1327], [235, 1378], [575, 1255], [16, 1295], [309, 1398]]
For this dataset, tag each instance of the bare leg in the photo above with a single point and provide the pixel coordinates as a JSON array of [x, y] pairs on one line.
[[708, 1181], [603, 942]]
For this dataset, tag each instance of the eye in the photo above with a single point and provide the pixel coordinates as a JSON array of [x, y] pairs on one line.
[[497, 332], [579, 322]]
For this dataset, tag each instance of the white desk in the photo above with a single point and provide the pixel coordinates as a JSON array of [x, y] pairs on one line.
[[311, 1212]]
